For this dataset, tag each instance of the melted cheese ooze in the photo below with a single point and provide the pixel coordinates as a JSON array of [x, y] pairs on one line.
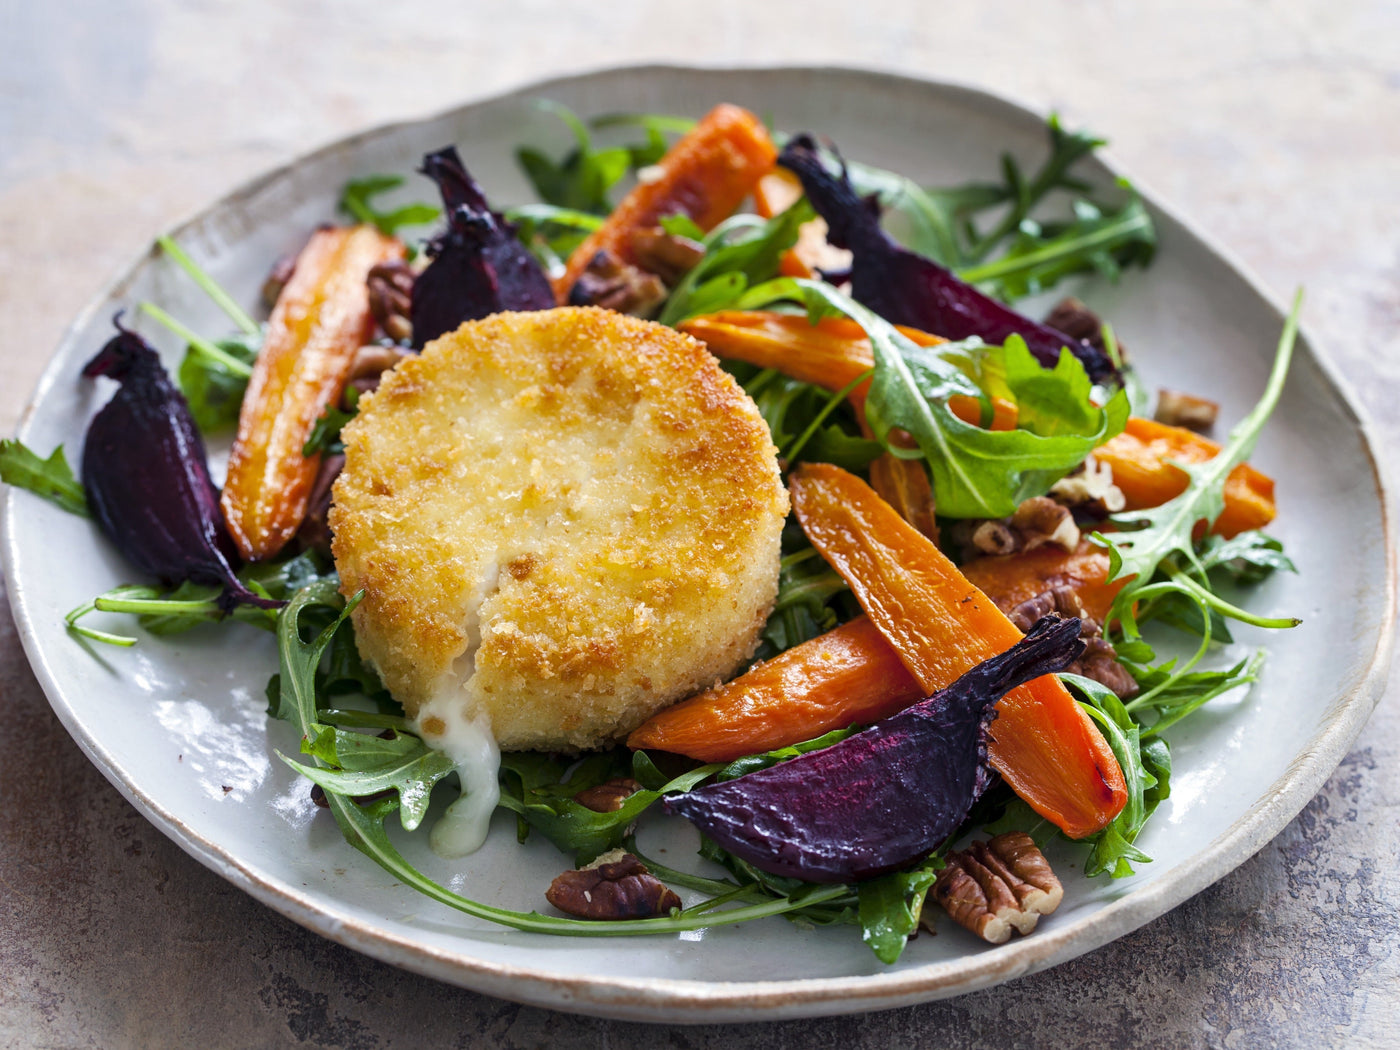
[[470, 744]]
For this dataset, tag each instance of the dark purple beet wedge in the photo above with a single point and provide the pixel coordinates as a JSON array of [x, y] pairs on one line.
[[147, 478], [906, 288], [883, 798], [479, 267]]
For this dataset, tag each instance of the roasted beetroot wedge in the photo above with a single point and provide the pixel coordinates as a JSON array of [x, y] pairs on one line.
[[886, 797], [479, 267], [147, 478], [908, 289]]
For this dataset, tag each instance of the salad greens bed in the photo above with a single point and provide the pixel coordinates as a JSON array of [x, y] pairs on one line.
[[1013, 236]]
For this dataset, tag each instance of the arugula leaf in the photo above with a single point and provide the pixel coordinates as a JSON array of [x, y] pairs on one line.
[[325, 434], [548, 806], [51, 479], [357, 201], [807, 587], [172, 611], [1097, 240], [1112, 848], [1248, 557], [1067, 148], [739, 253], [977, 473], [551, 233], [1162, 533], [928, 217], [582, 179], [362, 764], [214, 386], [890, 906]]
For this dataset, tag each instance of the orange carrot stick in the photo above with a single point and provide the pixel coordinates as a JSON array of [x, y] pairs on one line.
[[704, 176], [321, 319], [1043, 744], [1141, 461], [846, 676]]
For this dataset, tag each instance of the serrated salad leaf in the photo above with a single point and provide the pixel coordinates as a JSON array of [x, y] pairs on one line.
[[977, 473], [741, 252], [1163, 535], [360, 764], [49, 478], [584, 177], [1097, 240], [357, 200], [890, 907], [1112, 849]]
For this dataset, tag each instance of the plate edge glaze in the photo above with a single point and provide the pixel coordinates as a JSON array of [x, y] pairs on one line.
[[689, 1001]]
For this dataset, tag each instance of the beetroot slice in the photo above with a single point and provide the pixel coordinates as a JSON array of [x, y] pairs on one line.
[[479, 267], [883, 798], [909, 289], [147, 478]]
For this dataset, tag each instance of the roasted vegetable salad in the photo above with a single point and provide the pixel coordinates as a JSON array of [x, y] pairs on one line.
[[984, 522]]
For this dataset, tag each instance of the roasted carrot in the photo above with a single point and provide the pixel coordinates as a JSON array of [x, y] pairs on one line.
[[829, 354], [1043, 744], [1141, 458], [1010, 579], [846, 676], [321, 319], [704, 176]]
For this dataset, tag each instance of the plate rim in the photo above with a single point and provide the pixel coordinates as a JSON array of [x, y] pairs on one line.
[[700, 1001]]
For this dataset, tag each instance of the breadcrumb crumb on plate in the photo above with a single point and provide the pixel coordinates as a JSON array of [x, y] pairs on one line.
[[562, 521]]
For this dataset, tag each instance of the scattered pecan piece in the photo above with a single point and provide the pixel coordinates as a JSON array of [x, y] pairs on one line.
[[1100, 662], [1185, 410], [615, 886], [994, 888], [1037, 522], [277, 279], [616, 285], [1089, 488], [668, 255], [1041, 521], [1079, 322], [1061, 601], [608, 796], [994, 537], [368, 367], [391, 299]]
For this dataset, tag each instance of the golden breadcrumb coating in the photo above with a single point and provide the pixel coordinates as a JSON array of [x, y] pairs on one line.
[[563, 520]]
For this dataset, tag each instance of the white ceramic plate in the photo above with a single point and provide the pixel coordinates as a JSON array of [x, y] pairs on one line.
[[178, 725]]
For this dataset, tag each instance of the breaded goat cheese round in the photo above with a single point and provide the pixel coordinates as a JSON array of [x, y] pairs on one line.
[[562, 521]]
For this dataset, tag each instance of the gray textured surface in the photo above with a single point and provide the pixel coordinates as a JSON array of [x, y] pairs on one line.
[[1277, 127]]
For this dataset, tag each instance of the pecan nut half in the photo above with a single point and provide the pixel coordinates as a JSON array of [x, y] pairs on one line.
[[1178, 409], [615, 886], [613, 284], [608, 796], [997, 887], [391, 299]]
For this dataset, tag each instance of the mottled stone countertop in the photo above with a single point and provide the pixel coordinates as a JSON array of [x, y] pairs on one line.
[[1275, 126]]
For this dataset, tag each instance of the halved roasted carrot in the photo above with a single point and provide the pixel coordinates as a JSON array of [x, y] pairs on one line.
[[846, 676], [321, 319], [1043, 743], [704, 176], [1010, 579], [1141, 458], [829, 354]]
